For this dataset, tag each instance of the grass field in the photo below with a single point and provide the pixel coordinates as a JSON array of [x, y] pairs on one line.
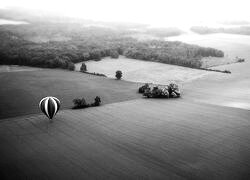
[[144, 71], [137, 139], [128, 137], [227, 90], [21, 91], [214, 88], [15, 68], [233, 45]]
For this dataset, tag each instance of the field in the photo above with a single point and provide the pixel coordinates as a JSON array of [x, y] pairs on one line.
[[14, 68], [129, 137], [21, 91], [232, 45], [137, 139], [144, 71], [227, 90]]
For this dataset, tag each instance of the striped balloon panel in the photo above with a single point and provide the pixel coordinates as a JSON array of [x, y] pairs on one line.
[[49, 106]]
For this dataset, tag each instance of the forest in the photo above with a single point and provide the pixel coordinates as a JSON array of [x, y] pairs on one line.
[[60, 45]]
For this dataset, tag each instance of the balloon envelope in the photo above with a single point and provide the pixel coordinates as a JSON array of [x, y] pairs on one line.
[[49, 106]]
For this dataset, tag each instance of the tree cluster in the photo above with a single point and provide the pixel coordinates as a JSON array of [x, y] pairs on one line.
[[176, 53], [162, 91], [118, 74], [81, 103]]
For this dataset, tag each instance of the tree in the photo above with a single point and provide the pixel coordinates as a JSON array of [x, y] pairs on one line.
[[143, 88], [80, 103], [85, 56], [97, 101], [118, 74], [114, 54], [83, 67], [71, 66], [95, 55]]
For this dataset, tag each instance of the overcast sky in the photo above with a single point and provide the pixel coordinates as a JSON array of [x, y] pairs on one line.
[[156, 12]]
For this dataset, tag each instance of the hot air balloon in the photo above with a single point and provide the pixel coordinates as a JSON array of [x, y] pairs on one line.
[[49, 106]]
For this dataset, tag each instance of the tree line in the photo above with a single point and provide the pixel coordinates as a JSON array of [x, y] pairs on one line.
[[92, 44]]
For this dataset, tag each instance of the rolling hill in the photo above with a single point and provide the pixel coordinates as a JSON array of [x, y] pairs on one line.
[[21, 91], [137, 139], [128, 137], [227, 90]]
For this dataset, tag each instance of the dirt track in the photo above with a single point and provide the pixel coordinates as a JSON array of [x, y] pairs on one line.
[[138, 139]]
